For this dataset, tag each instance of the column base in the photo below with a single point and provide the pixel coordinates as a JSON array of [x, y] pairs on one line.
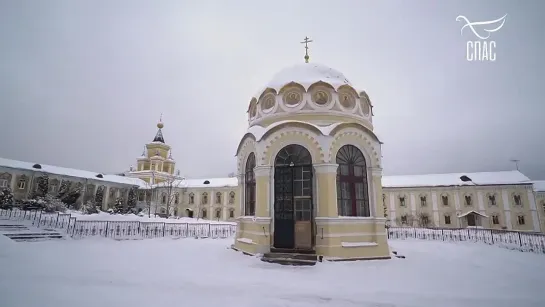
[[253, 235], [351, 238]]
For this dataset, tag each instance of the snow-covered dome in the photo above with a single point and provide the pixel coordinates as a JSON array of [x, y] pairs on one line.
[[309, 92], [306, 74]]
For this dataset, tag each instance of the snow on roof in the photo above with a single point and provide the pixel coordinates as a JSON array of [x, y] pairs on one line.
[[212, 182], [483, 178], [474, 212], [57, 170], [539, 185], [259, 131], [306, 74]]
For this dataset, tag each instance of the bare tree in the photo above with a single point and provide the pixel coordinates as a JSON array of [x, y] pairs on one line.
[[423, 220], [168, 193]]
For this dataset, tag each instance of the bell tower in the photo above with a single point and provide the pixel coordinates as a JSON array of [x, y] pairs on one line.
[[155, 164]]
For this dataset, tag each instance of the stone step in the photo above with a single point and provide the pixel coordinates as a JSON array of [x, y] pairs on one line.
[[289, 261], [290, 258], [295, 256], [292, 251], [33, 236]]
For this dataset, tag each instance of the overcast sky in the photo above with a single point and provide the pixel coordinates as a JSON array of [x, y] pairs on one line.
[[83, 83]]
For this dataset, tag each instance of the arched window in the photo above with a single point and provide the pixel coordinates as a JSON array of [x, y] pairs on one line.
[[204, 198], [231, 198], [176, 198], [218, 198], [352, 189], [218, 213], [191, 198], [164, 198], [249, 182], [203, 214], [231, 213]]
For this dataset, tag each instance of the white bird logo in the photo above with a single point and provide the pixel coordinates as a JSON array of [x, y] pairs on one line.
[[492, 23]]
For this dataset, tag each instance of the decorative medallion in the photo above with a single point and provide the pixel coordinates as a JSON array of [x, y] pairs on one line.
[[293, 97], [268, 102], [365, 106], [347, 99], [321, 97]]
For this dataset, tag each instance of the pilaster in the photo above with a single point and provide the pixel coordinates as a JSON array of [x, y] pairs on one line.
[[533, 210], [480, 202], [326, 189], [262, 187], [13, 181], [506, 209], [434, 208], [393, 216]]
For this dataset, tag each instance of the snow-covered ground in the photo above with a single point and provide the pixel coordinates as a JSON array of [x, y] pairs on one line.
[[102, 216], [205, 272]]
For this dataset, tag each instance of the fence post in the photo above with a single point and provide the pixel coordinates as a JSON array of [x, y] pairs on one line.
[[164, 226], [492, 236], [468, 234], [106, 232], [520, 239], [209, 231], [40, 218]]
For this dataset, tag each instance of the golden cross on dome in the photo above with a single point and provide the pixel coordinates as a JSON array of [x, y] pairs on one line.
[[306, 41]]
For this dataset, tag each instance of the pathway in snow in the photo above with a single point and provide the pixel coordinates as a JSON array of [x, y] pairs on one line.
[[204, 272]]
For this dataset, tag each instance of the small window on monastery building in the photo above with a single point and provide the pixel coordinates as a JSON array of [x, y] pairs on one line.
[[492, 200], [232, 198], [21, 184], [468, 201], [218, 213], [402, 201], [203, 213], [218, 198], [404, 220], [423, 201], [204, 198], [447, 219], [495, 220], [191, 198], [517, 199], [164, 199], [231, 213], [176, 198], [520, 220], [444, 200]]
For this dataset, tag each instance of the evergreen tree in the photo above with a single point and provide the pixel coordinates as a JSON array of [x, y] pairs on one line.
[[43, 186], [90, 207], [64, 188], [52, 204], [131, 200], [99, 197], [70, 198], [118, 206], [6, 198]]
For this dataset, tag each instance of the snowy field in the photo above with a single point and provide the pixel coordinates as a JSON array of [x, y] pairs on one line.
[[205, 272], [102, 216]]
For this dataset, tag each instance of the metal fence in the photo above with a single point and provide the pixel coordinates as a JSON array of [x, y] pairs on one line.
[[517, 240], [121, 230]]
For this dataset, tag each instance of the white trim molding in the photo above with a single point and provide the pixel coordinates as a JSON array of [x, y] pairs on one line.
[[262, 171], [325, 168], [349, 220], [255, 219]]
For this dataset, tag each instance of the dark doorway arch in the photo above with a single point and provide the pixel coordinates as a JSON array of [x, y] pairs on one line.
[[293, 204], [352, 184], [189, 212]]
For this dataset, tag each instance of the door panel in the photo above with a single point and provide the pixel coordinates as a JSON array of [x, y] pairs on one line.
[[284, 227]]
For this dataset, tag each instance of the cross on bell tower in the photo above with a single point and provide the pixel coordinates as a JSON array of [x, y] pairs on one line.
[[306, 41]]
